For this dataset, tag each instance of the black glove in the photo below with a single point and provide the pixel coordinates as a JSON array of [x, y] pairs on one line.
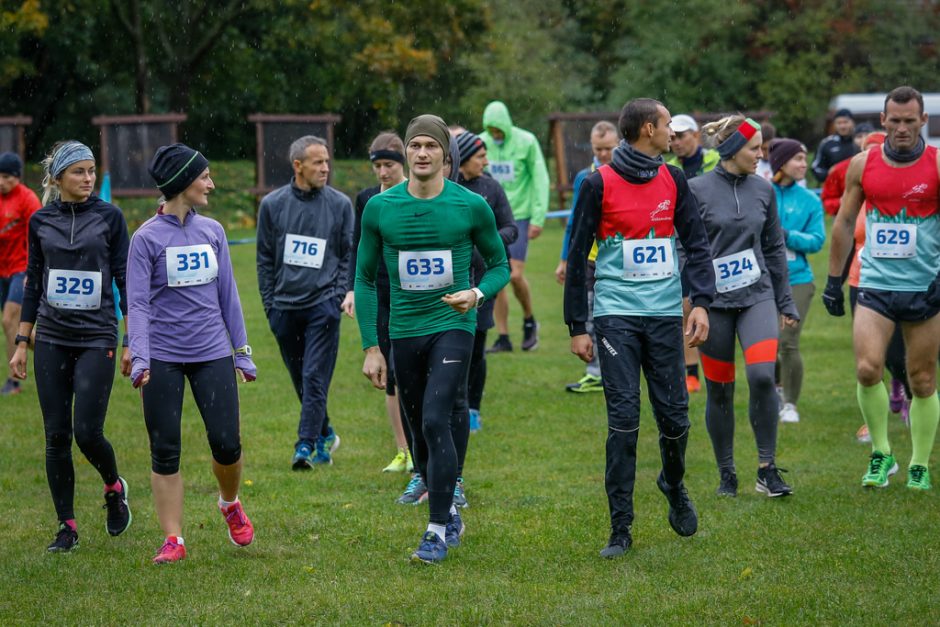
[[833, 298]]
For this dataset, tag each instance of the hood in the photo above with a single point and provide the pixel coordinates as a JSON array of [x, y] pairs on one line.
[[496, 115]]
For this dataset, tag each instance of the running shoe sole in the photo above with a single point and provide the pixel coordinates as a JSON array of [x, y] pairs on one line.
[[760, 487]]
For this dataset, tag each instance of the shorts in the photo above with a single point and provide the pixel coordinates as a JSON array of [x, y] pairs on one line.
[[520, 248], [898, 306], [11, 289]]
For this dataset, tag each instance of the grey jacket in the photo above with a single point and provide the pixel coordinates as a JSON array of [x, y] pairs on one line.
[[740, 212], [325, 214]]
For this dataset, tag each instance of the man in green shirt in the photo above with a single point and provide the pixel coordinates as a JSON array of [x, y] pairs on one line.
[[425, 229]]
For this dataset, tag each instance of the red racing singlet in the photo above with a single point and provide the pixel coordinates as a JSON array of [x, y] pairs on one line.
[[914, 188], [635, 211]]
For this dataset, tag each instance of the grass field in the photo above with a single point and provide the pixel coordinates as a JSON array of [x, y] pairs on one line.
[[332, 547]]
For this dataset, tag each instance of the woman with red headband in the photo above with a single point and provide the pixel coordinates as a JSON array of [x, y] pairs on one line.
[[752, 293]]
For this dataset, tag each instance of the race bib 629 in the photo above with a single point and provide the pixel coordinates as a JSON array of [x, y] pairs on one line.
[[893, 241]]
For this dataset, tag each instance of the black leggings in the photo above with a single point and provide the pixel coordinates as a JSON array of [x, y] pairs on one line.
[[432, 379], [216, 395], [64, 373], [477, 377]]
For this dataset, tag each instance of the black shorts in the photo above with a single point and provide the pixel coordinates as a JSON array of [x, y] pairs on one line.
[[898, 306]]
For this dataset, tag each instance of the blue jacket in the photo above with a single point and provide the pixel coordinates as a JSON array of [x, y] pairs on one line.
[[801, 217]]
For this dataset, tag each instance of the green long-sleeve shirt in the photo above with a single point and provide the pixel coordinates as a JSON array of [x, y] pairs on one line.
[[427, 245]]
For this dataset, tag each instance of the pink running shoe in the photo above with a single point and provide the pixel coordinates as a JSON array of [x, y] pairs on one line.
[[240, 529], [898, 397], [171, 551]]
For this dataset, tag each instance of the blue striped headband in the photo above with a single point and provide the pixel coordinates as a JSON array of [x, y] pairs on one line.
[[67, 154]]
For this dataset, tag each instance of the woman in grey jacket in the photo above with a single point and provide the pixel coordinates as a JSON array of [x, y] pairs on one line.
[[740, 214]]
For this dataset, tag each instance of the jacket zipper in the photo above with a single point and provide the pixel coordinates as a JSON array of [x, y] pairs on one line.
[[72, 234], [736, 201]]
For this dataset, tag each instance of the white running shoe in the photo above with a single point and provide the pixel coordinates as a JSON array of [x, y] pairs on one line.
[[789, 413]]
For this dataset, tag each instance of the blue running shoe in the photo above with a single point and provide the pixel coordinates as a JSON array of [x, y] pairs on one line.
[[475, 424], [303, 457], [432, 549], [322, 455], [332, 440], [453, 531], [460, 499], [416, 492]]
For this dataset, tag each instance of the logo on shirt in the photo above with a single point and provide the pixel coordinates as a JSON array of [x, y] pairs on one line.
[[657, 214], [917, 190]]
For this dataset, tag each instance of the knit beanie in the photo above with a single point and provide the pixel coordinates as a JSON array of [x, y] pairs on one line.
[[782, 150], [11, 164], [175, 167], [431, 126], [469, 144]]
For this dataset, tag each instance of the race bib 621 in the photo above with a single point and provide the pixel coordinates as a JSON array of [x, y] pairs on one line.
[[648, 259]]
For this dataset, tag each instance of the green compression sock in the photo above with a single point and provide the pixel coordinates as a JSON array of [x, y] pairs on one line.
[[925, 414], [873, 401]]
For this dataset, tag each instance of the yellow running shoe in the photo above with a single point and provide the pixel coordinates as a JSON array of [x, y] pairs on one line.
[[400, 463]]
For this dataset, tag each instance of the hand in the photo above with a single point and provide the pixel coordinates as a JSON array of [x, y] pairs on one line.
[[349, 304], [374, 367], [141, 379], [697, 326], [534, 231], [833, 298], [462, 301], [126, 362], [787, 321], [245, 368], [583, 347], [18, 363], [560, 271]]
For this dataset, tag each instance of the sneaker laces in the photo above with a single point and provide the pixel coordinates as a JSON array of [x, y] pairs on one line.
[[877, 461], [412, 487], [773, 475], [917, 473], [168, 546], [236, 512]]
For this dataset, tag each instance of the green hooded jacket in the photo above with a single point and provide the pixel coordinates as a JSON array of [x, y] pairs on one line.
[[517, 164]]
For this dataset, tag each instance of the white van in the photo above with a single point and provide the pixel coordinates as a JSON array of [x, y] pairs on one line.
[[868, 108]]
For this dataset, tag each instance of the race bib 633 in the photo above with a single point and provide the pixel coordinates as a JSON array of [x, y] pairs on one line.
[[425, 269]]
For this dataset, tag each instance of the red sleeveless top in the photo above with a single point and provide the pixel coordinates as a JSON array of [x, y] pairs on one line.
[[634, 211], [912, 189]]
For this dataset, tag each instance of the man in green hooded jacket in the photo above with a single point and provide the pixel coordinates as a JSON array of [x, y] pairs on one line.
[[516, 161]]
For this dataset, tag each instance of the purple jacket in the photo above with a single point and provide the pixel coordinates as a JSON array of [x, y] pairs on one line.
[[183, 309]]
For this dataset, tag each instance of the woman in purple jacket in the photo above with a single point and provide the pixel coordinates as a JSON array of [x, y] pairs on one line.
[[185, 322]]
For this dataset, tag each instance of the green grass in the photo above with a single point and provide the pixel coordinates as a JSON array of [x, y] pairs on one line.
[[332, 547]]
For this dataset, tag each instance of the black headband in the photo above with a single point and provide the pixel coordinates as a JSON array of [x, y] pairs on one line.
[[391, 155]]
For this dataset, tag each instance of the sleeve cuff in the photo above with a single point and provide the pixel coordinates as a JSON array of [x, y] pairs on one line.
[[576, 328]]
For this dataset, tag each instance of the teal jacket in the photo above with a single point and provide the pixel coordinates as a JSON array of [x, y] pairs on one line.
[[517, 164], [801, 217]]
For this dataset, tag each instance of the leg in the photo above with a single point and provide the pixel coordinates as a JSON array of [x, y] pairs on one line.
[[619, 348], [717, 355], [216, 394], [321, 345], [757, 328], [923, 341], [477, 375], [871, 335], [94, 376], [290, 342], [54, 368], [520, 286], [791, 362], [501, 312], [410, 359], [163, 408]]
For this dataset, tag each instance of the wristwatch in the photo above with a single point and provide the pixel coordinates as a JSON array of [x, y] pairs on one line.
[[21, 338], [243, 350], [479, 294]]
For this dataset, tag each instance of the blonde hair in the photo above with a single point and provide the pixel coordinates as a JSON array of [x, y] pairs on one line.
[[50, 191], [714, 133]]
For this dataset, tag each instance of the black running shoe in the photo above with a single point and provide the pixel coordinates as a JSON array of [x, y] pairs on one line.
[[501, 345], [65, 540], [682, 515], [619, 543], [119, 514], [729, 483], [771, 483], [530, 334]]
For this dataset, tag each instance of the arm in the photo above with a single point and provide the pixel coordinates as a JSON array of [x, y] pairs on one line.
[[586, 217], [820, 165], [691, 232], [844, 225], [491, 247], [367, 258], [576, 187], [541, 185], [139, 273], [32, 292], [831, 194], [811, 235], [345, 261], [266, 255], [119, 244], [505, 223], [231, 309], [775, 258]]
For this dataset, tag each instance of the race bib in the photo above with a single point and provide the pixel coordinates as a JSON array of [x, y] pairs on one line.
[[300, 250], [74, 289], [648, 259], [791, 255], [425, 269], [190, 265], [893, 241], [732, 272], [503, 171]]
